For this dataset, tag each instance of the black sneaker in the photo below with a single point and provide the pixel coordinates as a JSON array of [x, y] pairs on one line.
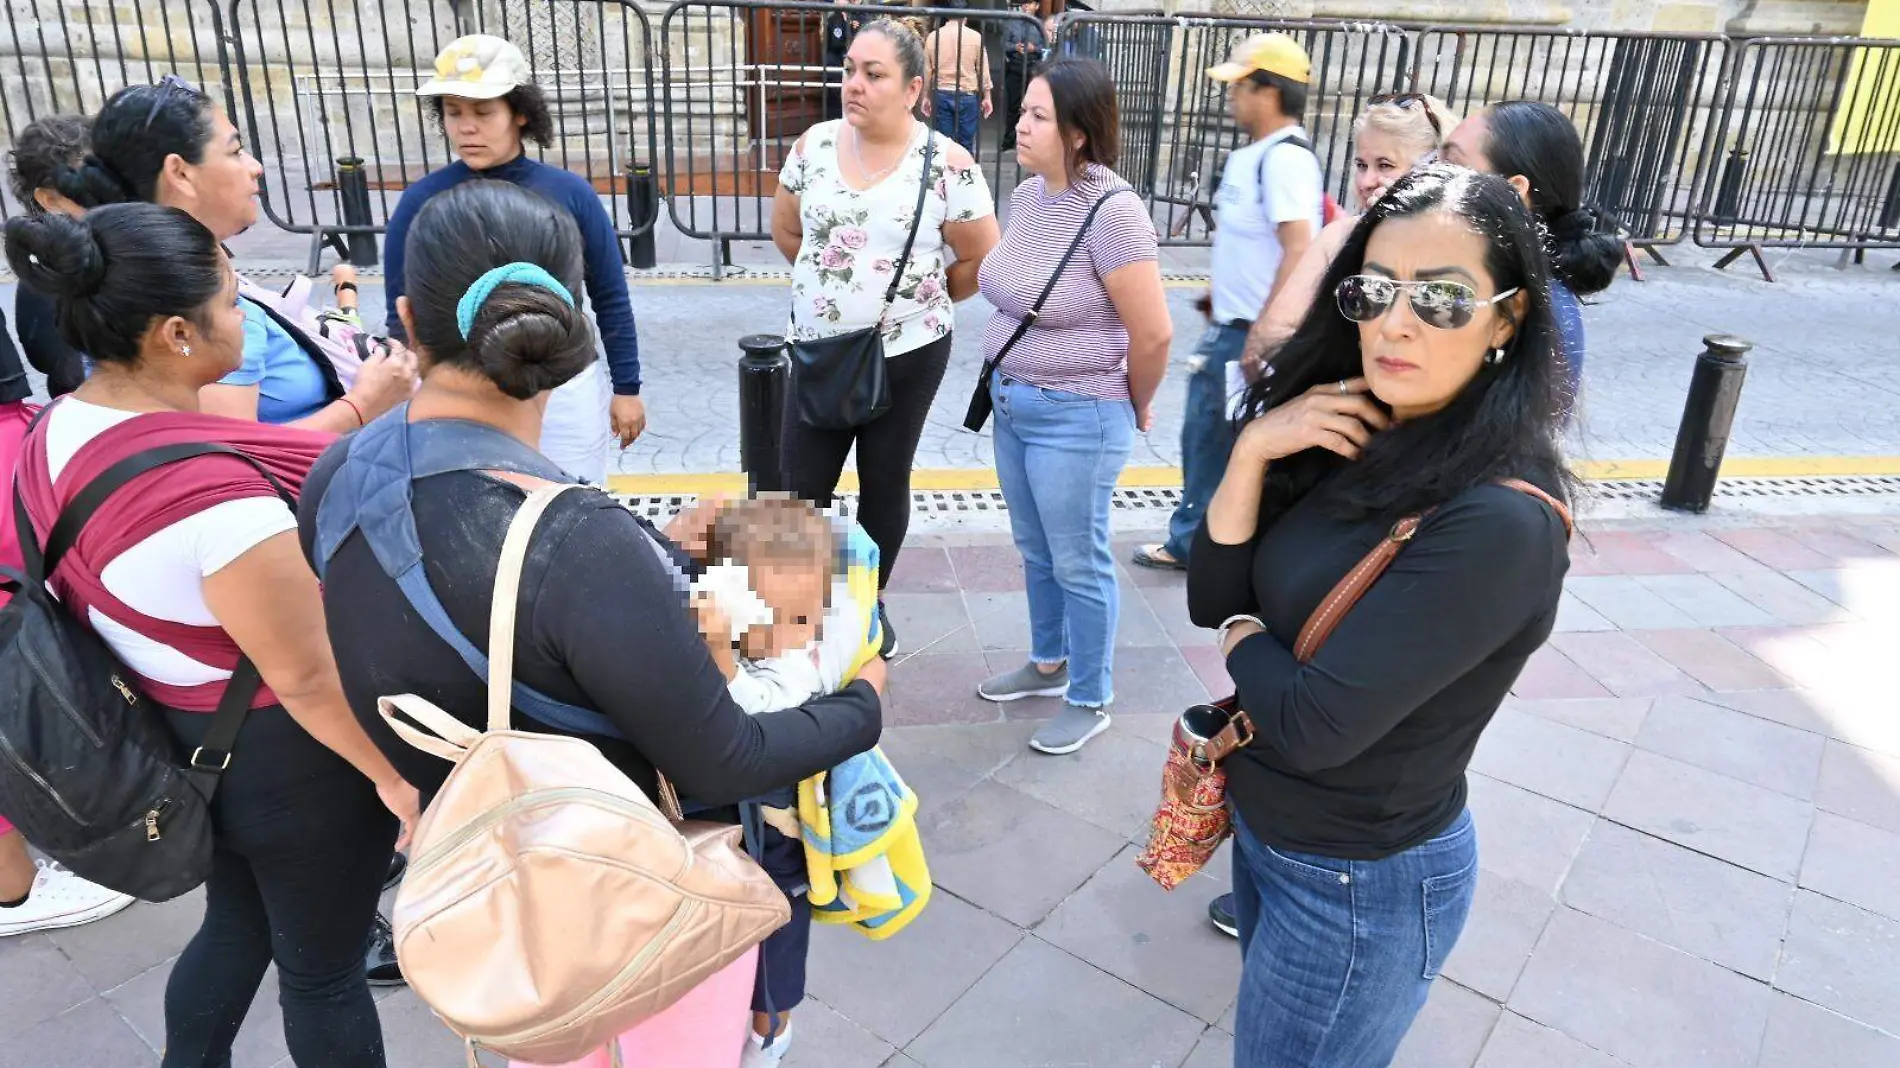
[[1220, 912], [379, 960], [889, 648]]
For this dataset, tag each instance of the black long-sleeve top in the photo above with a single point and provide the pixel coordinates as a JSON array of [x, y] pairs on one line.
[[34, 319], [1361, 752], [602, 623]]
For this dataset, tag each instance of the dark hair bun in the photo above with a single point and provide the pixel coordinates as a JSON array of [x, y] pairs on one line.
[[1585, 250], [527, 340], [56, 255], [103, 185]]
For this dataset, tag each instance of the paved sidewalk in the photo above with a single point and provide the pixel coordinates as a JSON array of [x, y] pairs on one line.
[[1689, 816]]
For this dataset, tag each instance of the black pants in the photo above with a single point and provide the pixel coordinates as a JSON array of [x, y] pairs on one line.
[[1017, 72], [302, 847], [887, 447]]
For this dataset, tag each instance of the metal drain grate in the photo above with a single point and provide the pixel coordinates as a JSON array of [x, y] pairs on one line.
[[1164, 498]]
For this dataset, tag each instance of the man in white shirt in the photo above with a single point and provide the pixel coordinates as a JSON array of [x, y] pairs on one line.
[[1269, 207]]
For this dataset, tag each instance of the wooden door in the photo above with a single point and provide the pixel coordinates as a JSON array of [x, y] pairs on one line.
[[785, 51]]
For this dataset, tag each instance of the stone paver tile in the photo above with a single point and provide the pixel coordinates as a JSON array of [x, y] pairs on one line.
[[1711, 659], [1638, 1000], [979, 748], [1623, 666], [975, 846], [37, 982], [1758, 829], [1450, 1030], [260, 1041], [1214, 1050], [1559, 762], [1802, 1035], [1794, 653], [1861, 785], [1867, 589], [936, 779], [1843, 958], [1523, 836], [986, 568], [1507, 918], [1103, 782], [1210, 667], [827, 1040], [923, 569], [1520, 1043], [1150, 938], [1573, 614], [1620, 718], [1754, 750], [1843, 547], [1138, 623], [1855, 863], [1000, 618], [1033, 1007], [1772, 547], [1629, 552], [931, 622], [1226, 1022], [899, 1060], [1626, 602], [935, 688], [1703, 552], [1170, 607], [1549, 674], [896, 988], [1156, 727], [113, 950], [1681, 898], [1786, 600], [1706, 601], [413, 1037], [89, 1036]]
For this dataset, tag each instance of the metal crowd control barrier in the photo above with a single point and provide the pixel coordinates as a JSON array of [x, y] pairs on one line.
[[744, 79], [1642, 103], [318, 87], [1809, 147]]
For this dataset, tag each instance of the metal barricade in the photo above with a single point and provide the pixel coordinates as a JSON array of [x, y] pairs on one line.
[[68, 56], [1642, 102], [320, 86], [1176, 129], [1809, 150]]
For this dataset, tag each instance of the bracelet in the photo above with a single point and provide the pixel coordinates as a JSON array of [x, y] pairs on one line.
[[1220, 640], [360, 421]]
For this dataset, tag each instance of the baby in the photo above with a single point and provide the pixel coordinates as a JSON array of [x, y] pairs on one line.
[[788, 615]]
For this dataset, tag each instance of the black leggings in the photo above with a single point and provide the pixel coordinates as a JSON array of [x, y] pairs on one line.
[[887, 447], [302, 848]]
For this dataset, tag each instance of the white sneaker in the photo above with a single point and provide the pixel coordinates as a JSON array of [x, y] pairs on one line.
[[60, 899], [758, 1055]]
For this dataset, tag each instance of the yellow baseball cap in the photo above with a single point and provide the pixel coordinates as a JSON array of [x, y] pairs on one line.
[[1274, 53], [478, 67]]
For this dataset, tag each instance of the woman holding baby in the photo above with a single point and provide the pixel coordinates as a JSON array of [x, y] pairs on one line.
[[603, 621]]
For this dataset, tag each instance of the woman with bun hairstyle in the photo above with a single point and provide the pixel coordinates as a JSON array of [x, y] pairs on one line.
[[189, 572], [1536, 149], [44, 171], [169, 144]]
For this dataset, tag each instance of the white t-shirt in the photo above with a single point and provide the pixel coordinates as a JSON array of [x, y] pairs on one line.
[[163, 575], [1246, 244]]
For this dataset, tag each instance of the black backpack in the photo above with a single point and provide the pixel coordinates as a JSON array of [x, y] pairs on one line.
[[89, 772]]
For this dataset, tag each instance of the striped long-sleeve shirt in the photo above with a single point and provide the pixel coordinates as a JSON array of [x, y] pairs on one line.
[[1078, 342]]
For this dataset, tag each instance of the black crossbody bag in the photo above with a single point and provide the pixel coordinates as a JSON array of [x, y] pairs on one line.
[[840, 381], [980, 402]]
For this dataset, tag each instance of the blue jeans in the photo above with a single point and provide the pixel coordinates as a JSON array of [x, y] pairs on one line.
[[1337, 955], [1207, 435], [956, 115], [1058, 455]]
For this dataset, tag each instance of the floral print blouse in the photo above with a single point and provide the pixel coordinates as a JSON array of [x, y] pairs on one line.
[[854, 237]]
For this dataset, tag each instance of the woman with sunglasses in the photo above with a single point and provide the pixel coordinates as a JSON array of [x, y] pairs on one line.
[[1397, 131], [1427, 381], [169, 144], [1537, 149]]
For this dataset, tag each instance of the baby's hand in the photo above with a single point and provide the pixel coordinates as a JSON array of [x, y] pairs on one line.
[[716, 628]]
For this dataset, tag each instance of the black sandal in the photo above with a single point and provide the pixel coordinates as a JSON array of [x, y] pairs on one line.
[[1158, 558]]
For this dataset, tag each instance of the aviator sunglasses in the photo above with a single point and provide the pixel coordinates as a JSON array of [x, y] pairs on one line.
[[1364, 298]]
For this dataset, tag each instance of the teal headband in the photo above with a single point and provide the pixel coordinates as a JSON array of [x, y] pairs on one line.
[[482, 288]]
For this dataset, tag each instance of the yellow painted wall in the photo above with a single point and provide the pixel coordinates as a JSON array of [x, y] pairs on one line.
[[1869, 119]]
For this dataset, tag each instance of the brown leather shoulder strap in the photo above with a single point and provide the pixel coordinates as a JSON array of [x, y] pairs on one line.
[[1325, 619]]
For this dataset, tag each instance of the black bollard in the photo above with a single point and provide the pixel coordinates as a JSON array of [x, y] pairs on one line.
[[643, 209], [1707, 416], [765, 374], [352, 187]]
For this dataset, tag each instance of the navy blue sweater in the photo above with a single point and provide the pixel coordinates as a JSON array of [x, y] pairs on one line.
[[606, 282]]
